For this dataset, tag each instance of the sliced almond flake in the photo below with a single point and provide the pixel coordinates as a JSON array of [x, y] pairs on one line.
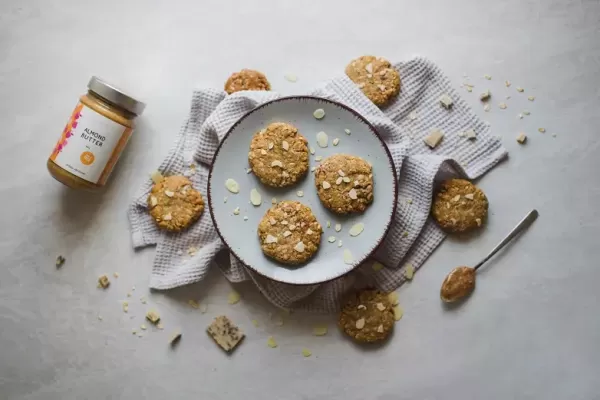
[[306, 352], [329, 224], [380, 306], [319, 113], [377, 266], [156, 176], [341, 173], [287, 233], [525, 112], [393, 298], [320, 330], [348, 258], [456, 198], [274, 200], [309, 231], [270, 239], [194, 303], [488, 77], [502, 106], [167, 217], [478, 221], [487, 108], [233, 297], [348, 132], [153, 201], [312, 150], [542, 130], [291, 78], [225, 199], [299, 247], [357, 229], [369, 68], [318, 158], [340, 243], [331, 239], [245, 218], [339, 180], [255, 197], [361, 307], [270, 145], [249, 170], [322, 139], [263, 152], [507, 83], [326, 185], [352, 194], [276, 163], [380, 328], [469, 196], [236, 211], [520, 89], [409, 271], [285, 145], [522, 138], [360, 323], [398, 313], [336, 141], [271, 342], [338, 227], [232, 185], [300, 193]]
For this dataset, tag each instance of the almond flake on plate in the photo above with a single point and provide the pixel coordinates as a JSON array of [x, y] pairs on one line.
[[357, 229], [276, 163], [255, 197], [320, 330], [319, 113], [488, 77], [338, 227], [522, 138], [347, 131], [525, 112], [270, 239], [322, 139], [348, 258], [542, 130], [312, 150], [291, 78], [336, 141], [331, 239], [236, 211], [520, 89], [232, 185], [485, 95]]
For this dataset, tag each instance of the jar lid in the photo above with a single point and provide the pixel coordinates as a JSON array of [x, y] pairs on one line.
[[116, 96]]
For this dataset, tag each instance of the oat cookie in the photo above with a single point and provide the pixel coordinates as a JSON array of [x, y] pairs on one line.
[[368, 316], [279, 155], [289, 232], [247, 79], [459, 206], [344, 183], [376, 77], [174, 203]]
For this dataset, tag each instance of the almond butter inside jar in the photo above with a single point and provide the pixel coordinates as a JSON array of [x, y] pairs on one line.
[[95, 135]]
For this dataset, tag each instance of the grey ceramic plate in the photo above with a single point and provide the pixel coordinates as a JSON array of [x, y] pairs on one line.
[[231, 161]]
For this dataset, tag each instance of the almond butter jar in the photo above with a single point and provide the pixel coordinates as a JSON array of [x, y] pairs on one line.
[[95, 136]]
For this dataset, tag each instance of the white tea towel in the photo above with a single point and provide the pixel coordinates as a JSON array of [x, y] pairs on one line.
[[183, 258]]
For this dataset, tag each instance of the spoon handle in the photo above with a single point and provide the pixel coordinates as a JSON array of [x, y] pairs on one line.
[[525, 222]]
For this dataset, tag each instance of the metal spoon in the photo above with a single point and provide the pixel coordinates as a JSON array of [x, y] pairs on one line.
[[461, 280]]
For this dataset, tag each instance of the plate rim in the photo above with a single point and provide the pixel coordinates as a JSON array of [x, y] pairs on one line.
[[337, 104]]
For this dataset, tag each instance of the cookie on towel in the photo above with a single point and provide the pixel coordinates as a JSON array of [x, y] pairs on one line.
[[289, 232], [368, 316], [344, 183], [376, 77], [279, 155], [247, 79], [174, 203], [459, 206]]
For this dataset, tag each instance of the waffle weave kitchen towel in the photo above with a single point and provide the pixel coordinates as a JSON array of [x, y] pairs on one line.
[[186, 257]]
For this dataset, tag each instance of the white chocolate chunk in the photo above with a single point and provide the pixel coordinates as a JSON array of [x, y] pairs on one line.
[[357, 229], [299, 193], [434, 138], [232, 185], [485, 95], [255, 197], [322, 139], [446, 101], [470, 134]]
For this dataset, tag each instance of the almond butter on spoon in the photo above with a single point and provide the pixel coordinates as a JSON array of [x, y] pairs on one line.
[[460, 282]]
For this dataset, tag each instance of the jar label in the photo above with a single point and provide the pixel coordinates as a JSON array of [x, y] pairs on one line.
[[90, 145]]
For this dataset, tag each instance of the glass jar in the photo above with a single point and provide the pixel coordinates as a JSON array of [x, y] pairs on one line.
[[94, 137]]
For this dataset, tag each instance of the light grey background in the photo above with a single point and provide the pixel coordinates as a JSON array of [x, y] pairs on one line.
[[232, 162], [531, 330]]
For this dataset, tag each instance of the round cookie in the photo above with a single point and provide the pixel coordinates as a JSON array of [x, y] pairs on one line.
[[368, 316], [459, 206], [344, 183], [279, 155], [289, 232], [174, 203], [376, 77], [247, 79]]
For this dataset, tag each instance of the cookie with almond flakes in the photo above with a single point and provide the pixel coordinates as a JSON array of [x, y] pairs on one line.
[[174, 203], [368, 316], [459, 206], [376, 77]]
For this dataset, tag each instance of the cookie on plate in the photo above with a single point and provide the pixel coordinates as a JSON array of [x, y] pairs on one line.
[[247, 79], [289, 232], [345, 183], [174, 203], [459, 206], [368, 316], [376, 77], [279, 155]]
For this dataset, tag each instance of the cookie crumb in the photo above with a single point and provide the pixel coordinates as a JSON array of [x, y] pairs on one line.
[[348, 132], [531, 98], [522, 138], [542, 130], [507, 83], [175, 338], [487, 108], [236, 211], [520, 89], [485, 95], [153, 316], [60, 260], [502, 106], [103, 282], [338, 227], [446, 101], [331, 239], [488, 77], [125, 306]]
